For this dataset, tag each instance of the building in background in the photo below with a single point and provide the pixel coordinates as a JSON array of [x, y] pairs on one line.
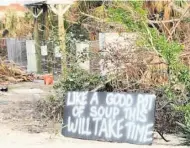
[[18, 9]]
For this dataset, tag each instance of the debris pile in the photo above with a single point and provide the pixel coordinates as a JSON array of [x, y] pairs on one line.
[[12, 73]]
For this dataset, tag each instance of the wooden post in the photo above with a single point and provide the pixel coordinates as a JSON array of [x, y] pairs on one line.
[[37, 43], [45, 38], [62, 40], [60, 12], [46, 22]]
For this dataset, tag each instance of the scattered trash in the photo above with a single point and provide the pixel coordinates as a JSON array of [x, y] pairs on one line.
[[4, 89], [48, 79]]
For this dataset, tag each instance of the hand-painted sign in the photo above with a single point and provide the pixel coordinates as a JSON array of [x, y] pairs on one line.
[[117, 117]]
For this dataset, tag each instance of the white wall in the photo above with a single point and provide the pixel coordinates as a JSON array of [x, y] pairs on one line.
[[31, 56], [80, 47]]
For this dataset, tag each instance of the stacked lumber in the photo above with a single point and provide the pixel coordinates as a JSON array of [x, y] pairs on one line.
[[12, 73]]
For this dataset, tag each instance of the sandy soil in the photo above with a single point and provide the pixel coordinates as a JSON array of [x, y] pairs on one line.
[[19, 128]]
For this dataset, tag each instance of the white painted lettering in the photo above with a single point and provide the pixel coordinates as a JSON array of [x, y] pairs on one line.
[[148, 133], [120, 128], [142, 115], [142, 101], [139, 132], [129, 100], [77, 98], [109, 98], [120, 100], [130, 114], [130, 129], [81, 98], [108, 112], [115, 112], [93, 111], [96, 120], [83, 126], [88, 132], [94, 99], [77, 111], [151, 97], [72, 127], [101, 111], [111, 128], [103, 128], [70, 101], [80, 127]]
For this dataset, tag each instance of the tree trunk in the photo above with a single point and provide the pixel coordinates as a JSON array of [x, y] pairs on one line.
[[45, 38], [37, 43]]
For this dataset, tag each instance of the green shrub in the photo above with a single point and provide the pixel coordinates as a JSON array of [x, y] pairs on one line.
[[77, 80]]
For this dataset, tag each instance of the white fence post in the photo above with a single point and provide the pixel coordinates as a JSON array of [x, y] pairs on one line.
[[31, 56]]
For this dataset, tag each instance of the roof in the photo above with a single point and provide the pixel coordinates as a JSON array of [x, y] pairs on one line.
[[34, 2], [40, 2], [3, 8], [15, 7]]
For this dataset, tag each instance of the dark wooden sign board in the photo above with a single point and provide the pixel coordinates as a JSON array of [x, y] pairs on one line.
[[115, 117]]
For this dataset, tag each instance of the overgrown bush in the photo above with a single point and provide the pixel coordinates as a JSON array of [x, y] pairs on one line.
[[185, 127], [76, 80], [133, 17], [131, 69]]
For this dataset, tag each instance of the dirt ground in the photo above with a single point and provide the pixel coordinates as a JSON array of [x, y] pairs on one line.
[[20, 127]]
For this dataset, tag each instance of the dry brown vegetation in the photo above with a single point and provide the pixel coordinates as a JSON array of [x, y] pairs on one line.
[[18, 26], [11, 73]]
